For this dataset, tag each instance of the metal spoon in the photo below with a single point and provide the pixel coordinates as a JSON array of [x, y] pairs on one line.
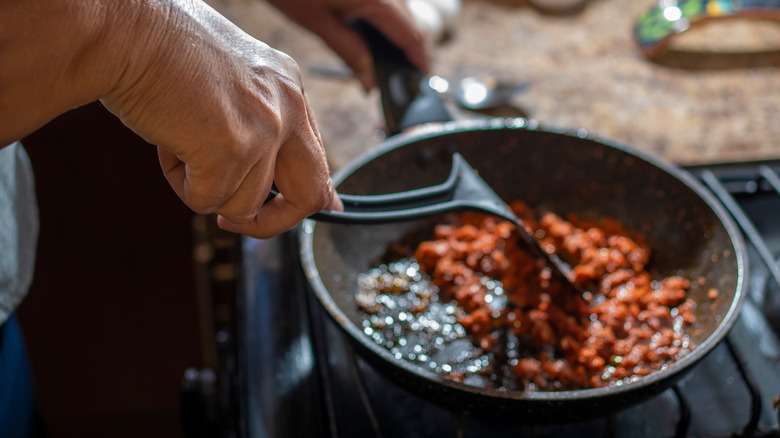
[[472, 93], [477, 93]]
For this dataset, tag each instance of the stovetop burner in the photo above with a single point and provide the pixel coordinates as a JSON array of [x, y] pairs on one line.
[[297, 376]]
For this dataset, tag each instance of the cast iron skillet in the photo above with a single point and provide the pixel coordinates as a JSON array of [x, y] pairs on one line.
[[687, 229]]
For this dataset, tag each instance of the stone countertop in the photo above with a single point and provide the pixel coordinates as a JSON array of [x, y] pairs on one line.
[[713, 97]]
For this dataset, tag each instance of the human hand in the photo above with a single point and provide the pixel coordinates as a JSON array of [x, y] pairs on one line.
[[230, 117], [227, 112], [329, 20]]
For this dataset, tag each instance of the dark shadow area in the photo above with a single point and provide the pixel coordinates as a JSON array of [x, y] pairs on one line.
[[111, 317]]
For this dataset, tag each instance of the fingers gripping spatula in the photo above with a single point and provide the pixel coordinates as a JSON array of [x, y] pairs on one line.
[[463, 190]]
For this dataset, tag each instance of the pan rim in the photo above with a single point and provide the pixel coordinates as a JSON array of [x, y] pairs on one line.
[[675, 369]]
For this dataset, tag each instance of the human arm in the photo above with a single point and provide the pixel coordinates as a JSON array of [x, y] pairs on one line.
[[329, 19], [227, 112]]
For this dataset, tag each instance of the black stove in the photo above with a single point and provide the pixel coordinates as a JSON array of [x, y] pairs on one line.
[[290, 373]]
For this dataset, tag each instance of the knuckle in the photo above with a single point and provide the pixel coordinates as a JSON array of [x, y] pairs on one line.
[[236, 216], [201, 206], [200, 209], [203, 198], [291, 67], [321, 200]]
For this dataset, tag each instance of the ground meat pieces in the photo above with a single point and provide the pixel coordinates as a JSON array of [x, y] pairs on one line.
[[624, 326]]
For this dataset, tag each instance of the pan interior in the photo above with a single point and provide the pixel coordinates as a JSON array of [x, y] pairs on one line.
[[549, 171]]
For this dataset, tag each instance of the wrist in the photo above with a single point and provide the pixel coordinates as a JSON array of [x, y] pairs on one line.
[[130, 40]]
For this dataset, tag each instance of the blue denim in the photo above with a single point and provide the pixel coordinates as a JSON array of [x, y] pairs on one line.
[[18, 411]]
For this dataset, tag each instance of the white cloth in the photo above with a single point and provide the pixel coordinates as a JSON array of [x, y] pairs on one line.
[[18, 227]]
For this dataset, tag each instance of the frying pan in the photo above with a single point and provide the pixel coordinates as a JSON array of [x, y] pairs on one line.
[[687, 229]]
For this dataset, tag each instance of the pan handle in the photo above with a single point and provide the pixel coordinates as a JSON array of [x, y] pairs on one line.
[[407, 99]]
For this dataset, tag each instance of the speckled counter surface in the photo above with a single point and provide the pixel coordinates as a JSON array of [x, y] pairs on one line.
[[714, 97]]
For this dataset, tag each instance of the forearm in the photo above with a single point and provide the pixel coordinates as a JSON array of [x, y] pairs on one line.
[[227, 112], [56, 55]]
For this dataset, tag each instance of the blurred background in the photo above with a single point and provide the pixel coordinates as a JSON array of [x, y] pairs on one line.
[[112, 320]]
